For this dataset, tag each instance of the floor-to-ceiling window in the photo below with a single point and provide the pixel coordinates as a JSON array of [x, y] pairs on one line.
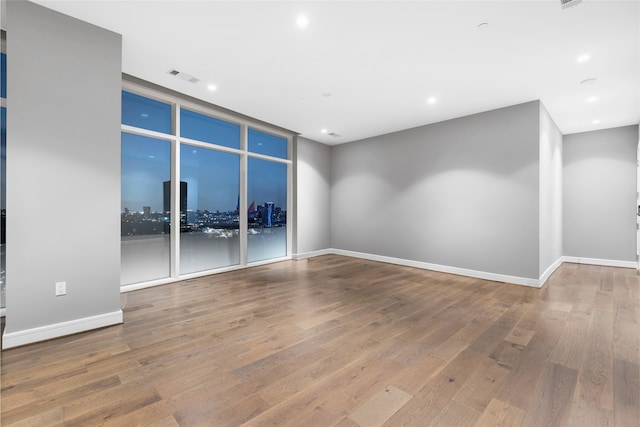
[[201, 190], [210, 238], [267, 193], [210, 189], [146, 166], [145, 241]]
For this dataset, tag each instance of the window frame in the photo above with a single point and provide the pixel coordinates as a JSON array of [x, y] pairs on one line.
[[178, 102]]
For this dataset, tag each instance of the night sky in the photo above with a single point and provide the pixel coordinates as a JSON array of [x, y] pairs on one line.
[[212, 176]]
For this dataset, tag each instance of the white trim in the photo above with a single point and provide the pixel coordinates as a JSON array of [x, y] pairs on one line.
[[146, 132], [305, 255], [202, 106], [549, 271], [175, 197], [28, 336], [151, 283], [165, 281], [268, 261], [601, 262], [209, 145], [269, 158], [3, 312], [243, 194], [525, 281], [203, 273]]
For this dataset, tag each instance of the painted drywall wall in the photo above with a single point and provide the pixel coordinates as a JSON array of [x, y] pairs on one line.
[[550, 192], [599, 193], [461, 193], [63, 174], [313, 196]]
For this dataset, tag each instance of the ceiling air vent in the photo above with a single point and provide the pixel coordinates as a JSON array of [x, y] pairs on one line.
[[569, 3], [335, 135], [184, 76]]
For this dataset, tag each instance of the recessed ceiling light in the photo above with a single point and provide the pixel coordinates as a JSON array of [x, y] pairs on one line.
[[212, 87], [302, 21], [432, 100], [592, 99], [583, 58], [303, 100], [596, 122], [324, 131], [483, 25], [588, 81]]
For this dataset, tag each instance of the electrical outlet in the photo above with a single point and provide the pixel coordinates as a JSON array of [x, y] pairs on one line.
[[61, 288]]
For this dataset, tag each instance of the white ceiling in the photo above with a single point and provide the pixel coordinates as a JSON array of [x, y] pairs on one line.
[[365, 68]]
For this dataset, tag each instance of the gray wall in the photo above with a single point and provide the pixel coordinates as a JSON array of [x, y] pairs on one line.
[[550, 191], [313, 180], [63, 171], [600, 194], [462, 193]]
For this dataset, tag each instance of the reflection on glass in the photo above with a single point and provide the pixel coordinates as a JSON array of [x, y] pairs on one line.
[[145, 242], [204, 128], [264, 143], [145, 113], [267, 212], [209, 227]]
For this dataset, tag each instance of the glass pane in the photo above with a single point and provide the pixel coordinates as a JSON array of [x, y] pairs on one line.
[[3, 75], [145, 242], [270, 145], [207, 129], [145, 113], [209, 235], [267, 213]]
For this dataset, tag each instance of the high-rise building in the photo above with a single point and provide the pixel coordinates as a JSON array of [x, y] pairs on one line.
[[167, 197], [166, 192], [268, 221]]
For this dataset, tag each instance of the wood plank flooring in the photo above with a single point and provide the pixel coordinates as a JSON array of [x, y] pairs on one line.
[[337, 341]]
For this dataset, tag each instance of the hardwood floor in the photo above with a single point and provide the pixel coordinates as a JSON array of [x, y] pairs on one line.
[[336, 341]]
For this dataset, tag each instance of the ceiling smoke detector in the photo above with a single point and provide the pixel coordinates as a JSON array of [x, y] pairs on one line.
[[184, 76], [569, 3]]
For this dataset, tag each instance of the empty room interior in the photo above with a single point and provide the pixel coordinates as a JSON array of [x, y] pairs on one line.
[[320, 213]]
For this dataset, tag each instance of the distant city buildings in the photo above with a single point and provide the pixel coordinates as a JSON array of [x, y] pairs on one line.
[[147, 222]]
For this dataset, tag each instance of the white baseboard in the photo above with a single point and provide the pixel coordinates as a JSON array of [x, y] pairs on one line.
[[149, 284], [312, 254], [525, 281], [28, 336], [549, 271], [602, 262]]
